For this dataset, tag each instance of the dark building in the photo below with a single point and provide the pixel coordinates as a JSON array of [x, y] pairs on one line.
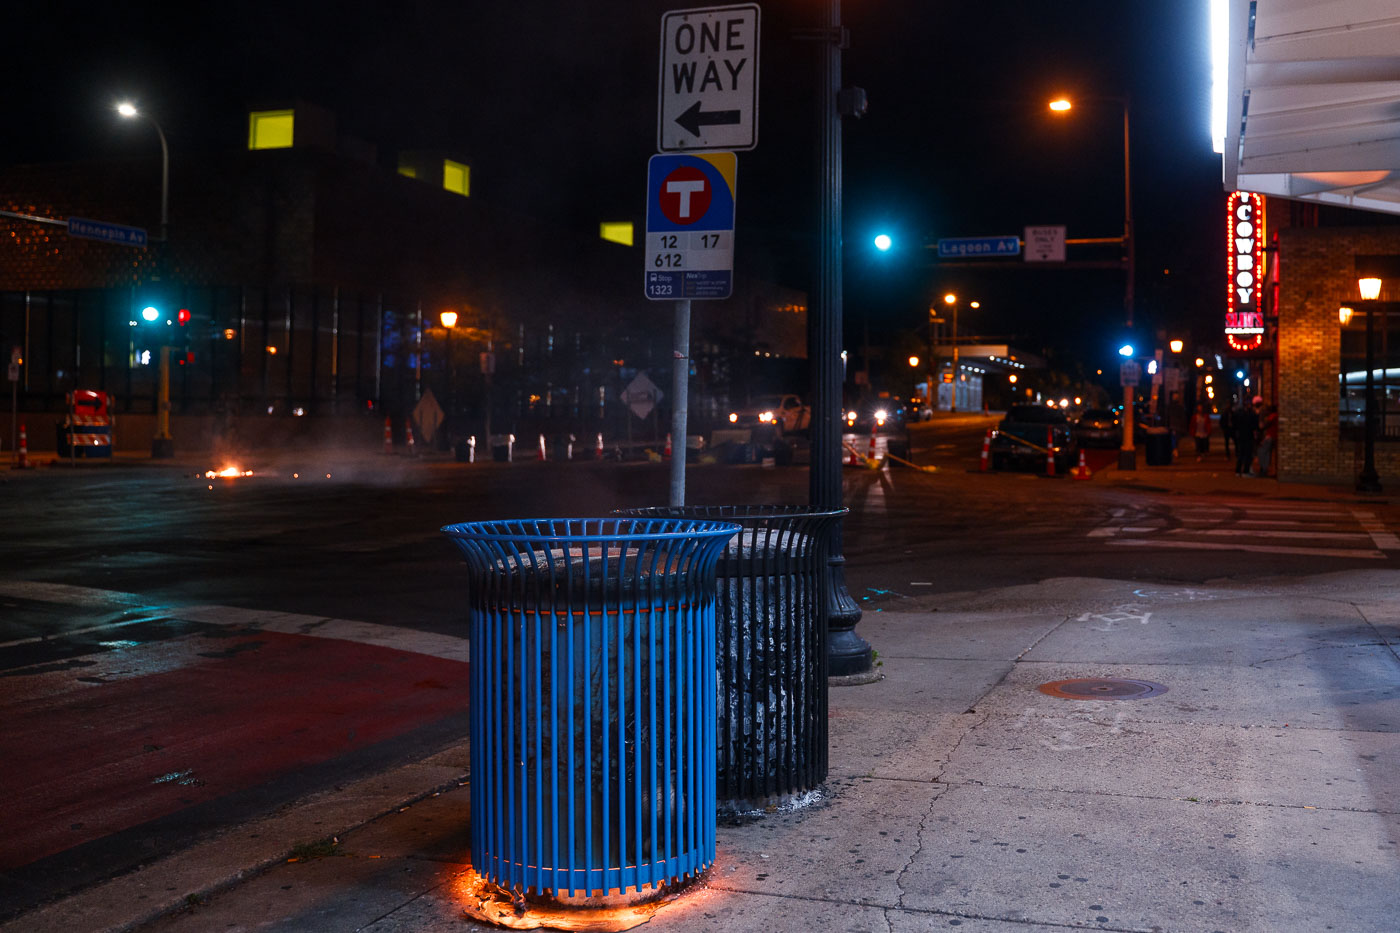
[[300, 292]]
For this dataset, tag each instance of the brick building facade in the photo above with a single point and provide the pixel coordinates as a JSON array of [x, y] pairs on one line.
[[1317, 277]]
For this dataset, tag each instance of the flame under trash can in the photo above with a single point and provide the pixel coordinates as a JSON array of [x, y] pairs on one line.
[[771, 627], [592, 701]]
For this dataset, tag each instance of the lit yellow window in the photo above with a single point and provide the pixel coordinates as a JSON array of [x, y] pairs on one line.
[[616, 232], [270, 129], [456, 177]]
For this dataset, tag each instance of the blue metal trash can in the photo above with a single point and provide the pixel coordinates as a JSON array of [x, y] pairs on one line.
[[592, 701], [771, 633]]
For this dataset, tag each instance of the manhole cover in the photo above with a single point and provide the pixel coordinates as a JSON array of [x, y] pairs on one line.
[[1102, 688]]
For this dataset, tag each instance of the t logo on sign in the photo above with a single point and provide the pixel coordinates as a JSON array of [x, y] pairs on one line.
[[685, 195]]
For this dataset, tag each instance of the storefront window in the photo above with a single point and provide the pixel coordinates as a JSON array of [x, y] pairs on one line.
[[1351, 381]]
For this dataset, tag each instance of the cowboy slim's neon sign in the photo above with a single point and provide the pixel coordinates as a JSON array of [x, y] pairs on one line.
[[1244, 238]]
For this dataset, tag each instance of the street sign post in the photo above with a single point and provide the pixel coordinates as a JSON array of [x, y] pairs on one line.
[[107, 233], [690, 226], [979, 247], [709, 79], [1045, 244], [1130, 373]]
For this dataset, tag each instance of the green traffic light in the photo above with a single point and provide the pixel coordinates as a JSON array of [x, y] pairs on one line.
[[149, 314]]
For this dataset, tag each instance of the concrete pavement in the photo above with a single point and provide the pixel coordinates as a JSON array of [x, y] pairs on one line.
[[1260, 792]]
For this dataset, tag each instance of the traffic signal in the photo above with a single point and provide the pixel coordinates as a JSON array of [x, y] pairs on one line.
[[182, 317]]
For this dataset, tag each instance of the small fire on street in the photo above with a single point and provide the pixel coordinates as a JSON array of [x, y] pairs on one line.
[[231, 472]]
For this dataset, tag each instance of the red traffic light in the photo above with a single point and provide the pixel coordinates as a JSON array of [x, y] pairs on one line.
[[183, 316]]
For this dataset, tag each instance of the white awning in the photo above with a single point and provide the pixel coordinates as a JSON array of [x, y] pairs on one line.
[[1313, 101]]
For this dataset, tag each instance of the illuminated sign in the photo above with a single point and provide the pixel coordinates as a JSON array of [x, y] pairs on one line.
[[1244, 239]]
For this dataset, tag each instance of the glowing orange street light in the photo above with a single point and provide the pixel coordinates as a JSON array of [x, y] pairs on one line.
[[1177, 346], [914, 362], [1060, 105]]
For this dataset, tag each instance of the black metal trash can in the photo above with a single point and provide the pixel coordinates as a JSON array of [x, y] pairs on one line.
[[1159, 446], [771, 720], [592, 701]]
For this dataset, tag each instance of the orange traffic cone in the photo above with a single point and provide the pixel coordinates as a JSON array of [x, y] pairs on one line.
[[23, 452], [412, 451], [1049, 451], [1082, 471], [855, 457], [541, 454], [986, 451], [873, 429], [598, 447], [388, 437], [667, 452]]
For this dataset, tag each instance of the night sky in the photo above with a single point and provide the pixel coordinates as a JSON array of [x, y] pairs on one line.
[[554, 106]]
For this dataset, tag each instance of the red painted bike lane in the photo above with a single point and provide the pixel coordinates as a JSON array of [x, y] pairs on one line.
[[107, 742]]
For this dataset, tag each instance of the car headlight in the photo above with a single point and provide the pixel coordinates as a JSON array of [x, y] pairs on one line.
[[765, 417], [880, 416], [733, 417]]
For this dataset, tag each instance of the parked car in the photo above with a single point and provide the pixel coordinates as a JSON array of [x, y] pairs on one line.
[[1098, 427], [1022, 435], [787, 412]]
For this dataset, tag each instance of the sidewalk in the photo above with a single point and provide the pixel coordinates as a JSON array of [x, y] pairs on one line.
[[1261, 791]]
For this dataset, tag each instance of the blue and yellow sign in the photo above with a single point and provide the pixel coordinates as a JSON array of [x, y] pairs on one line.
[[690, 225]]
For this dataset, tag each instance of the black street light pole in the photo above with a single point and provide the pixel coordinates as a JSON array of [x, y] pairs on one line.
[[1369, 480], [1369, 284], [847, 653]]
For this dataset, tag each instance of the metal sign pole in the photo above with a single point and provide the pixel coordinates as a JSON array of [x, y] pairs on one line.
[[680, 401]]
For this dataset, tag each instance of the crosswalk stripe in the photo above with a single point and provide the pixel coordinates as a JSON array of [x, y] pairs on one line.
[[1254, 548], [1258, 528], [1289, 535], [1382, 538]]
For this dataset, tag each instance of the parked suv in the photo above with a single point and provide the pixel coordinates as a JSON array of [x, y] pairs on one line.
[[1021, 438]]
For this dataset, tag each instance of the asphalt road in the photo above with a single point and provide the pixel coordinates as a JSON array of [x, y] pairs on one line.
[[164, 665]]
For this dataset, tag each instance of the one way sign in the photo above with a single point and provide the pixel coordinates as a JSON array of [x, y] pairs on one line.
[[709, 79]]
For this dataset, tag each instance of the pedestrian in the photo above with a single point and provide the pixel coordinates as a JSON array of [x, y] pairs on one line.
[[1200, 430], [1246, 426], [1176, 421], [1268, 432], [1227, 424]]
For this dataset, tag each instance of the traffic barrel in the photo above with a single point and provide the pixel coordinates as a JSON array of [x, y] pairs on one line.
[[1049, 451], [23, 451], [388, 436], [986, 450], [1082, 471]]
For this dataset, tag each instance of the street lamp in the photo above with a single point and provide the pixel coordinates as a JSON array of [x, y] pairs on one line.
[[1369, 481], [1127, 455], [951, 300], [883, 242], [449, 321], [128, 111]]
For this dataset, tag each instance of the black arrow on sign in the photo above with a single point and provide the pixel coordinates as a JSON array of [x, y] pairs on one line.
[[694, 118]]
